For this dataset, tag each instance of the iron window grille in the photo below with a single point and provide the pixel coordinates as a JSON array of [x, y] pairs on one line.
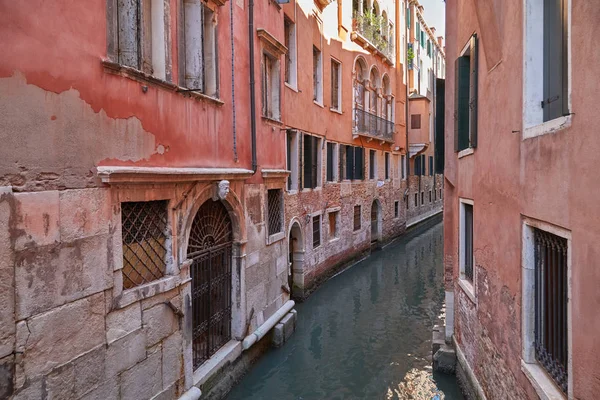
[[551, 335], [316, 224], [356, 218], [144, 228], [275, 207], [468, 244]]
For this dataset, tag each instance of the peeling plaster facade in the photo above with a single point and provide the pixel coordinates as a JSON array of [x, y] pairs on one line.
[[82, 134], [520, 176]]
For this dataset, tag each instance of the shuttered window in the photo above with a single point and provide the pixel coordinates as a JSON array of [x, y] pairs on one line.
[[352, 162], [357, 221], [335, 85], [310, 161], [371, 164], [387, 165], [316, 228], [465, 100], [430, 165], [317, 88], [200, 55], [330, 162], [555, 102]]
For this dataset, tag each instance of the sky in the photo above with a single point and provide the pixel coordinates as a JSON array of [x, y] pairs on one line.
[[435, 14]]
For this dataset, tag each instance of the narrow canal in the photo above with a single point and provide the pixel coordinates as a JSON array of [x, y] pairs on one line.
[[365, 334]]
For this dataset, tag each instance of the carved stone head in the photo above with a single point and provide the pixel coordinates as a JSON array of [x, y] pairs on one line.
[[222, 189]]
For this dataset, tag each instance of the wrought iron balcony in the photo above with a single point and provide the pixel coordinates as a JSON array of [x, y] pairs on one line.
[[373, 126], [367, 30]]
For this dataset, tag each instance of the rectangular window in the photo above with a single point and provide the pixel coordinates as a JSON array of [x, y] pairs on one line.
[[465, 98], [403, 166], [310, 161], [316, 229], [270, 86], [396, 209], [430, 196], [275, 210], [353, 162], [293, 159], [372, 166], [466, 242], [430, 165], [317, 76], [336, 88], [331, 162], [356, 218], [333, 230], [422, 198], [415, 121], [290, 56], [555, 73], [145, 241], [416, 199], [139, 39], [387, 165], [200, 67]]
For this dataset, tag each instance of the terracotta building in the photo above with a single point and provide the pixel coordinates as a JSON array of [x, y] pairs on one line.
[[174, 172], [426, 71], [521, 216]]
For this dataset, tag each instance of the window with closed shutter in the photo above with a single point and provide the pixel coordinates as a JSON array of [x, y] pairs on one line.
[[465, 100], [371, 164], [415, 121], [387, 165], [330, 162], [335, 85], [555, 77]]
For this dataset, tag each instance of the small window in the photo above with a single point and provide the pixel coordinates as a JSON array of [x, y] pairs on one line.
[[430, 196], [316, 228], [331, 162], [275, 209], [336, 88], [416, 199], [406, 201], [422, 197], [396, 209], [292, 147], [435, 195], [356, 218], [466, 242], [333, 229], [139, 37], [290, 56], [145, 241], [270, 86], [311, 154], [415, 121], [403, 166], [441, 194], [199, 69], [465, 107], [317, 76], [372, 164], [387, 165]]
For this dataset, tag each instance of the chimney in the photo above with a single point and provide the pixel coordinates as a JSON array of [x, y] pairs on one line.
[[440, 41]]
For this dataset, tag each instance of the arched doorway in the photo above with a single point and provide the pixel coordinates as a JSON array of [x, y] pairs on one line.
[[375, 221], [210, 249], [296, 261]]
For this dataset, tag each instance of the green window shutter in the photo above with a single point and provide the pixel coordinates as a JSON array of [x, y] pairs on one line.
[[349, 162], [456, 102], [329, 162], [474, 66], [308, 162], [554, 102], [408, 17], [463, 89], [423, 170], [359, 163]]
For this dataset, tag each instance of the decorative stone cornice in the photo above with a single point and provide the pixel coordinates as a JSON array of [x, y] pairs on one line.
[[274, 173], [273, 44], [133, 175]]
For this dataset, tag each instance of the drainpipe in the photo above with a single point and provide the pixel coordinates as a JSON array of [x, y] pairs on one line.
[[262, 330], [235, 154], [252, 85]]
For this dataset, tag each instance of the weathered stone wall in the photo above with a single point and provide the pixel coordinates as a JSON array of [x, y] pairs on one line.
[[424, 184]]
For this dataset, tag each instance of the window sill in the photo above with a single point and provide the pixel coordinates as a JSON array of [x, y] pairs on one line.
[[334, 239], [291, 87], [142, 77], [292, 191], [541, 382], [468, 288], [466, 152], [148, 290], [318, 103], [272, 120], [552, 126], [275, 238], [335, 110]]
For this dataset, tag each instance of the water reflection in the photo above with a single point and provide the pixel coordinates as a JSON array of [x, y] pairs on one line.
[[366, 334]]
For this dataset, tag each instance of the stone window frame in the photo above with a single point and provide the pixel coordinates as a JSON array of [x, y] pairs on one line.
[[533, 60], [317, 76], [360, 227], [274, 182], [293, 161], [469, 288], [335, 62], [317, 214], [336, 235], [396, 209], [335, 162], [274, 50], [537, 376], [292, 55]]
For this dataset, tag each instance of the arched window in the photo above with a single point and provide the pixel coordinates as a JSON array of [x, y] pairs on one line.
[[387, 99], [375, 84], [384, 25]]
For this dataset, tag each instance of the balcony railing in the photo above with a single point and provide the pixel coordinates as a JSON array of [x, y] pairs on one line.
[[373, 126], [370, 28]]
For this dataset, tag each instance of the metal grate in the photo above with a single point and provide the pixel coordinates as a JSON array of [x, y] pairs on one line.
[[275, 206], [551, 345], [370, 124], [356, 218], [210, 248], [144, 227]]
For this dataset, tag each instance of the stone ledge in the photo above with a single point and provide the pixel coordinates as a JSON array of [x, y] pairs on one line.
[[228, 353], [128, 174], [148, 290]]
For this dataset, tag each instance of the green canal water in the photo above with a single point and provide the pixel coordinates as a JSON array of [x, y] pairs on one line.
[[365, 334]]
